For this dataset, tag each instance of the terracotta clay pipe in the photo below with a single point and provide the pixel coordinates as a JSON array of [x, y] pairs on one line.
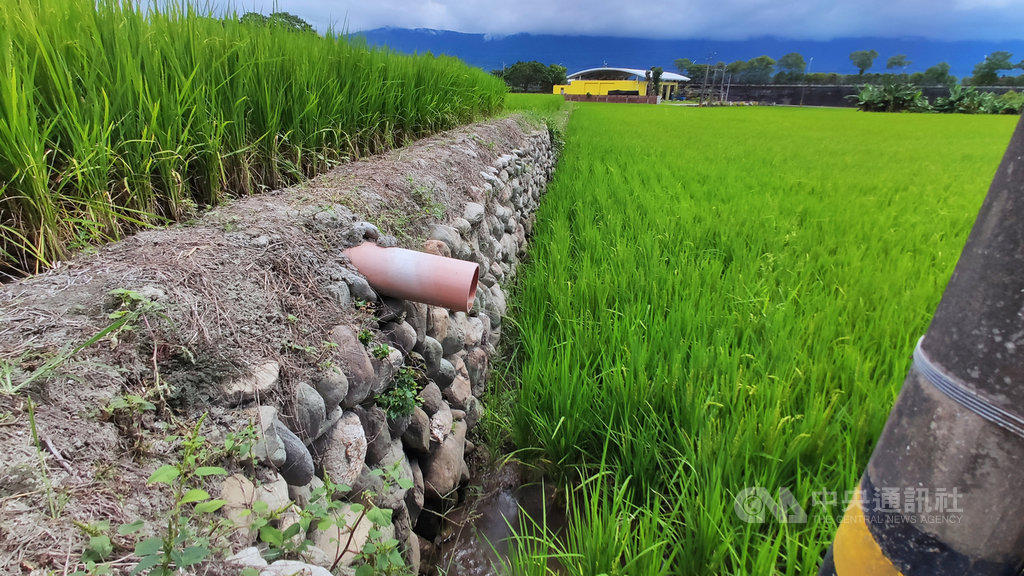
[[417, 276]]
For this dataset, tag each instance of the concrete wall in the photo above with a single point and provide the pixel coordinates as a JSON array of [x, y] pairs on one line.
[[599, 87], [604, 87], [614, 99]]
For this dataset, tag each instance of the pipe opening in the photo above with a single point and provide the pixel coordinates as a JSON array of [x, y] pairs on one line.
[[472, 288], [418, 276]]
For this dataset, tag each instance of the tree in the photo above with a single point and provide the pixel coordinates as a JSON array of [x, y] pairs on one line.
[[898, 61], [736, 68], [935, 76], [690, 68], [556, 75], [531, 76], [793, 63], [791, 68], [253, 18], [986, 73], [863, 59], [288, 20], [759, 70], [656, 73], [282, 19]]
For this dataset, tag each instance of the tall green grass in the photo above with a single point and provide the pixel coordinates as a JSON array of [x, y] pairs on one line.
[[725, 299], [115, 115], [538, 103]]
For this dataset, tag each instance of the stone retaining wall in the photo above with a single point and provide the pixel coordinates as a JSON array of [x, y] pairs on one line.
[[334, 424], [258, 320]]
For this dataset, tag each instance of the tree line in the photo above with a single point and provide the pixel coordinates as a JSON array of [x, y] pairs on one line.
[[792, 69], [532, 76], [281, 19]]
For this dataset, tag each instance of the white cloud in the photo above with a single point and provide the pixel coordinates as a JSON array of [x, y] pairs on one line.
[[968, 5], [722, 19]]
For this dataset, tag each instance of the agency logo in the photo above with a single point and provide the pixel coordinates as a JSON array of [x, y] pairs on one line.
[[756, 504]]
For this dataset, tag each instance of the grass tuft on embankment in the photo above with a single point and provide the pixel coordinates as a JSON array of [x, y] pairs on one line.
[[116, 114], [723, 299]]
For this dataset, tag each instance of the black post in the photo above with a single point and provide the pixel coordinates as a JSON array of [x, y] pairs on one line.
[[943, 493]]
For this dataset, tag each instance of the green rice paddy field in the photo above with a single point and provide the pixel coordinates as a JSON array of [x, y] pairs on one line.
[[121, 114], [721, 299]]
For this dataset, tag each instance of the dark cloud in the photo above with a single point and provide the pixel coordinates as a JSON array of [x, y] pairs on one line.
[[992, 20]]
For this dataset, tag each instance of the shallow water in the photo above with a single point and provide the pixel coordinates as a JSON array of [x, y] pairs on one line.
[[475, 541]]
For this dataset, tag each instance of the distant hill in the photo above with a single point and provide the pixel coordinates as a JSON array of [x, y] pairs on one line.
[[581, 52]]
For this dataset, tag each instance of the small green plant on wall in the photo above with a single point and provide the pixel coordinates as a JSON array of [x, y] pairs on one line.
[[183, 543], [380, 352], [378, 555], [404, 397], [189, 532]]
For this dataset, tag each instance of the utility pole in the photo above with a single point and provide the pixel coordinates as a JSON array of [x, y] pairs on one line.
[[711, 90], [721, 91], [704, 87], [806, 80]]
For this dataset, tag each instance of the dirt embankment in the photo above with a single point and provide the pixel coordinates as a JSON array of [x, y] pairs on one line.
[[223, 325]]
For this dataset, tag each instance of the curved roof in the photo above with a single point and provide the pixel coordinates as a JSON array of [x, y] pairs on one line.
[[669, 76]]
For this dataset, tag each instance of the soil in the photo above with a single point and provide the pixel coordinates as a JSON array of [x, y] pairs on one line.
[[247, 283]]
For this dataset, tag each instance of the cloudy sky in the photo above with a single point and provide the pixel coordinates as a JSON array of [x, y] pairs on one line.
[[993, 20]]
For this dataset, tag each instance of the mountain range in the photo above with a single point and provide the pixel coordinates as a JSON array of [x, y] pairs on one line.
[[582, 52]]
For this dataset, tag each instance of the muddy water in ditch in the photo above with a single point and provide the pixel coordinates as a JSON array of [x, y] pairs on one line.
[[476, 536]]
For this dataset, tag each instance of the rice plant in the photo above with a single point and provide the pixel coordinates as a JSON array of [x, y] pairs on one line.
[[721, 300], [539, 103], [115, 114]]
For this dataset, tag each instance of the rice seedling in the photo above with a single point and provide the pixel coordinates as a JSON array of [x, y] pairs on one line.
[[539, 103], [723, 300], [116, 114]]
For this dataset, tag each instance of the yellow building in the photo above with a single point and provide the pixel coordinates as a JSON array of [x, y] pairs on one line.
[[618, 81]]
